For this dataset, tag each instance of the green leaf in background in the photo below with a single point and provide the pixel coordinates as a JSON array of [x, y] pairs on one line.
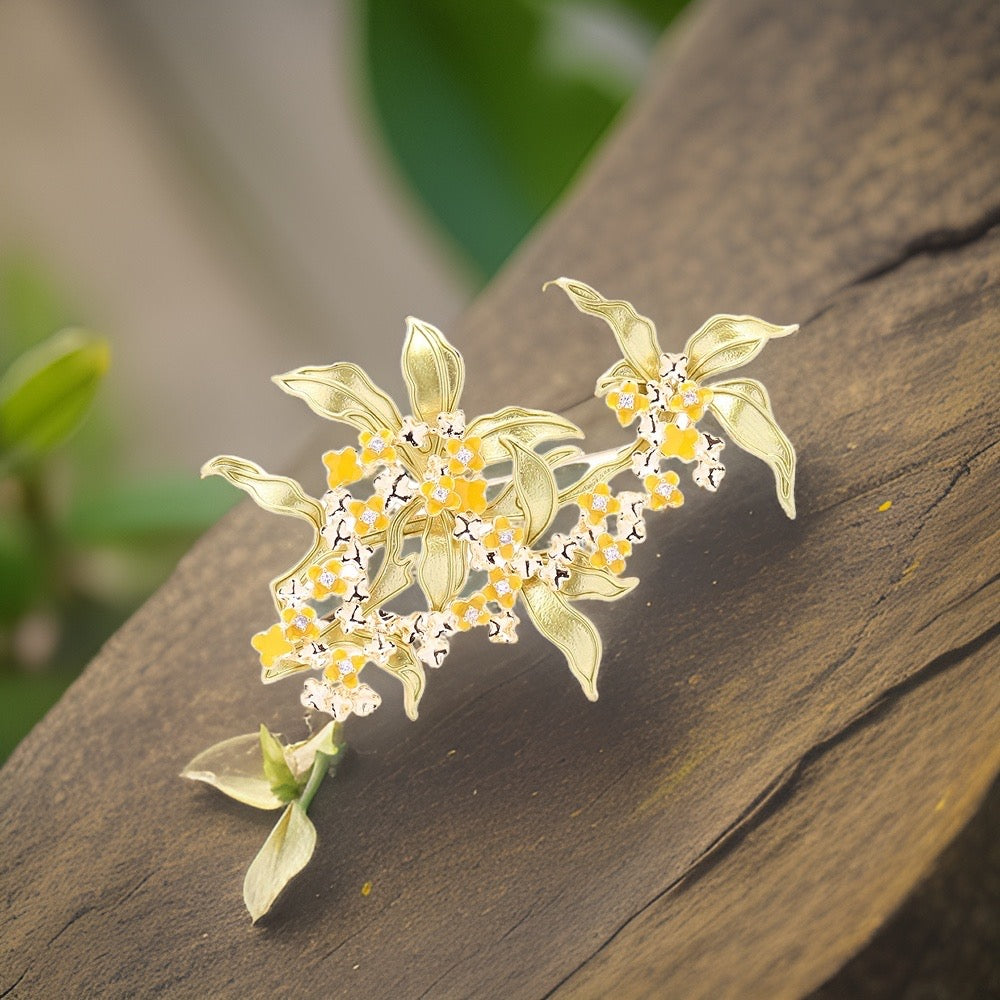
[[31, 308], [489, 109], [46, 393], [175, 507]]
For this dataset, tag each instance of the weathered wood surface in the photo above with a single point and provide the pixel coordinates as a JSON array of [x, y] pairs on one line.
[[795, 719]]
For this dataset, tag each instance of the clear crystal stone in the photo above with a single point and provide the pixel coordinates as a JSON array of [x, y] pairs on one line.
[[507, 536], [502, 588], [300, 622], [464, 455], [600, 502], [690, 398], [611, 553], [472, 616], [626, 400], [345, 667], [440, 494], [369, 517], [326, 578]]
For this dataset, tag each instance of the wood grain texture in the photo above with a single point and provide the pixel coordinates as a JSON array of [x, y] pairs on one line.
[[795, 718]]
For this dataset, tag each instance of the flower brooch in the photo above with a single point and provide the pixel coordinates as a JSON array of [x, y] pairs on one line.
[[463, 509]]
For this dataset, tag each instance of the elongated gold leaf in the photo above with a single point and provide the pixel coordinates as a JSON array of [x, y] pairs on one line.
[[743, 409], [590, 584], [603, 472], [527, 427], [275, 493], [562, 456], [575, 634], [343, 392], [406, 667], [441, 564], [636, 335], [396, 572], [433, 370], [620, 371], [287, 850], [723, 343], [534, 489]]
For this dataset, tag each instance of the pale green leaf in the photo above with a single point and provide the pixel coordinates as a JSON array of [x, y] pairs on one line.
[[406, 667], [442, 565], [47, 392], [236, 767], [278, 494], [344, 392], [726, 342], [592, 584], [433, 370], [300, 756], [743, 409], [575, 634], [276, 766], [528, 428], [534, 489], [636, 335], [287, 850]]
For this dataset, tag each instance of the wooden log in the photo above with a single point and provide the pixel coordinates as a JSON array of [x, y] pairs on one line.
[[795, 718]]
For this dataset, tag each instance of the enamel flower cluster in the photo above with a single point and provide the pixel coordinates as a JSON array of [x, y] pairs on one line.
[[468, 511], [414, 502]]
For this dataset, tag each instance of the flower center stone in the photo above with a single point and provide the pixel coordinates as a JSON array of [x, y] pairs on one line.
[[440, 494], [626, 400]]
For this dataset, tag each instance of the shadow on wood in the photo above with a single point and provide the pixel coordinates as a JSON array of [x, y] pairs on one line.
[[795, 719]]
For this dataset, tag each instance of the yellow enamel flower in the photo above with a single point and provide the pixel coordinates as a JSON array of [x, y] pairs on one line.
[[326, 579], [472, 495], [503, 587], [598, 505], [663, 490], [300, 624], [611, 553], [678, 443], [346, 663], [627, 402], [440, 495], [342, 467], [504, 538], [471, 613], [465, 455], [271, 645], [377, 447], [370, 514], [690, 399]]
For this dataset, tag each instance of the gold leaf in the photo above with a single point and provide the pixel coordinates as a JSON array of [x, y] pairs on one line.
[[441, 565], [343, 392], [591, 584], [284, 667], [395, 574], [636, 335], [287, 850], [743, 409], [620, 371], [278, 494], [433, 370], [603, 472], [406, 667], [527, 427], [727, 342], [534, 489], [575, 634]]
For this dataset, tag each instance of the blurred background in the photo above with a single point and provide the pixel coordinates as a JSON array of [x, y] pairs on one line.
[[198, 194]]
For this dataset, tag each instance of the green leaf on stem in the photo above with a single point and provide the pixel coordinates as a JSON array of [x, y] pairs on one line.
[[287, 850], [276, 766], [236, 768], [46, 393]]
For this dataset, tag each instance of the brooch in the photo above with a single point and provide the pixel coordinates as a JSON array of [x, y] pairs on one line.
[[463, 509]]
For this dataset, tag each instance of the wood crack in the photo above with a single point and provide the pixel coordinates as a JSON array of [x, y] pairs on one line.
[[777, 791]]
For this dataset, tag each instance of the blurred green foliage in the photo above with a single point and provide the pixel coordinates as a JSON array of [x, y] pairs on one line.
[[490, 108], [80, 544]]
